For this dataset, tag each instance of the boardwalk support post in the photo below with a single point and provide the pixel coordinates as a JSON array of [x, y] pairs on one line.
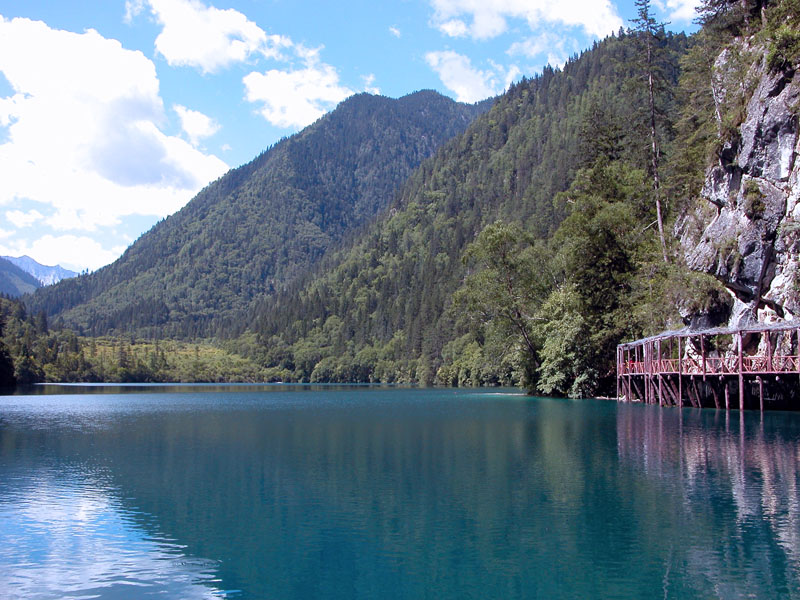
[[741, 375]]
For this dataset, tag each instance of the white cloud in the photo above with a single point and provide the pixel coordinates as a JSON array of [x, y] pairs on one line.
[[195, 124], [210, 39], [395, 31], [454, 28], [132, 9], [83, 134], [23, 219], [70, 251], [489, 19], [296, 98], [458, 75], [511, 74], [532, 47], [369, 84], [206, 37], [678, 10], [550, 47]]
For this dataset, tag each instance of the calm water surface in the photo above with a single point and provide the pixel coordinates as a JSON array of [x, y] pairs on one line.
[[336, 492]]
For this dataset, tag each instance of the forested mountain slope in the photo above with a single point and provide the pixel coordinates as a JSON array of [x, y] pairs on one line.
[[383, 309], [261, 224], [14, 281]]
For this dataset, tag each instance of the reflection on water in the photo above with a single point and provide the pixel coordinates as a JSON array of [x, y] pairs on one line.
[[363, 493], [62, 534], [43, 389], [736, 477]]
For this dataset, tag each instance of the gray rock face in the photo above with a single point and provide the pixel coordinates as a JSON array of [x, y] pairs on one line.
[[749, 229]]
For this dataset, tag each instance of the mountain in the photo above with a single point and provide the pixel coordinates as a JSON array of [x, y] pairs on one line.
[[383, 308], [262, 224], [46, 275], [524, 250], [14, 281]]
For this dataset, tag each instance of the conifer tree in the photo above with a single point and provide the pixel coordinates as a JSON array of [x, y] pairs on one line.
[[648, 28]]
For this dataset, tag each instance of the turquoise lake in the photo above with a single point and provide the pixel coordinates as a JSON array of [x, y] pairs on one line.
[[271, 492]]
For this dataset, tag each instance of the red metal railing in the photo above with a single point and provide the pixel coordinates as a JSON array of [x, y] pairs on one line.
[[721, 365], [713, 365]]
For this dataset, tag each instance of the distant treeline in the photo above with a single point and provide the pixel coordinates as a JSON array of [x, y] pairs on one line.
[[32, 352]]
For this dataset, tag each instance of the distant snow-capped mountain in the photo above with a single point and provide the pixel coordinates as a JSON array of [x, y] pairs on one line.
[[46, 275]]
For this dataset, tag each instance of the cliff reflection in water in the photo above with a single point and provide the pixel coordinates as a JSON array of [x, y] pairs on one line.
[[736, 478]]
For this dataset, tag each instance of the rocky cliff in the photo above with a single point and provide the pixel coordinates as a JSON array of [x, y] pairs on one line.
[[746, 230]]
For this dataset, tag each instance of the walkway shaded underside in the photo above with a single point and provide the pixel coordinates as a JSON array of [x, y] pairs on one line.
[[749, 367]]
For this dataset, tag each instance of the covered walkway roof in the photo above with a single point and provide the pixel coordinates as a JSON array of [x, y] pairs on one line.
[[688, 332]]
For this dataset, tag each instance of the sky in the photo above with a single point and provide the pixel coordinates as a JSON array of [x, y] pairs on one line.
[[115, 113]]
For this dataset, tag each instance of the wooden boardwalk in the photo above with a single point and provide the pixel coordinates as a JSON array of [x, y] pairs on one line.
[[715, 367]]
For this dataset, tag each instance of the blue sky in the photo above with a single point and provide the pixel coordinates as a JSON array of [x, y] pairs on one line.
[[115, 113]]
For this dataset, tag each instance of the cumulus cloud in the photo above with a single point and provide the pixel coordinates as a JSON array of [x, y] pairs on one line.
[[133, 8], [550, 47], [296, 97], [70, 251], [206, 37], [678, 10], [489, 19], [509, 74], [209, 39], [195, 124], [84, 130], [454, 28], [369, 84], [395, 31], [23, 219], [465, 81]]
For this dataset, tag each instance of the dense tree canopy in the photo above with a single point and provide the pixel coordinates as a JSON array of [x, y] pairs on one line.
[[393, 291]]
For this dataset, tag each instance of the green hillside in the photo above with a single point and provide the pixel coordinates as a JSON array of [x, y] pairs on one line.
[[383, 308], [258, 226]]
